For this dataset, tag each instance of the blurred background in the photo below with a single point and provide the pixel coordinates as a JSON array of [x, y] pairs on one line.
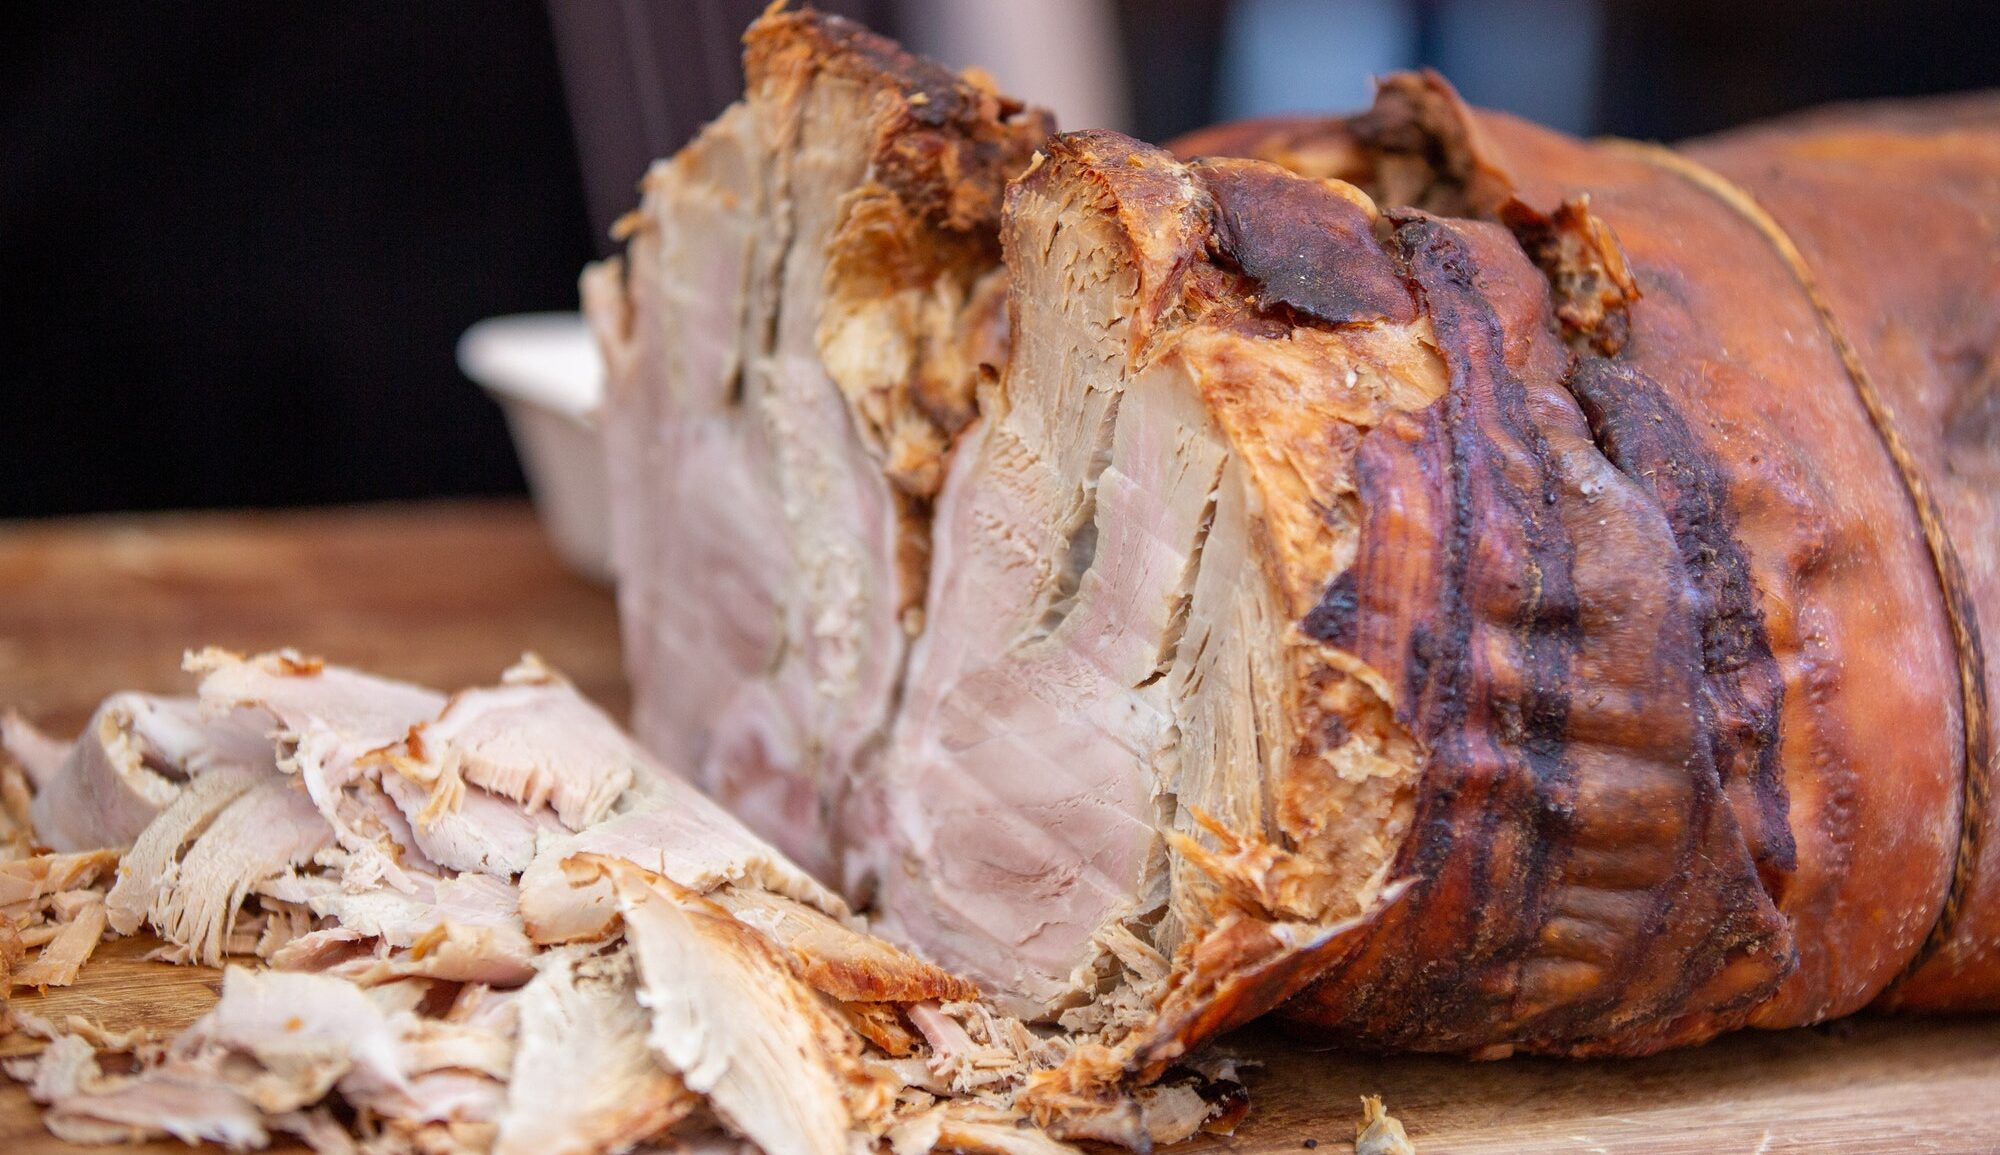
[[239, 240]]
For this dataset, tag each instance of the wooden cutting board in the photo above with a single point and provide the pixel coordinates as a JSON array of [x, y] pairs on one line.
[[450, 594]]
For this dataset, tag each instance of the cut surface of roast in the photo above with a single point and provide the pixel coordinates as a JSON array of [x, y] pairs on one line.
[[1503, 591]]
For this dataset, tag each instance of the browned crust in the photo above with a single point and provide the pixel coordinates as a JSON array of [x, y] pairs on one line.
[[1847, 738], [1308, 245], [1952, 584], [946, 144], [1924, 175], [1579, 882]]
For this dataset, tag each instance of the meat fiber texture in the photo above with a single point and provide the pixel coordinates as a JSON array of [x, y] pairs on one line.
[[1477, 589], [487, 922]]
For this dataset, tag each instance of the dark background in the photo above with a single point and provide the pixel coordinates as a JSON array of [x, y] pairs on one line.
[[238, 240]]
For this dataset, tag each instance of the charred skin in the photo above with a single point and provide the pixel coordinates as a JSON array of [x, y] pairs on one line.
[[1698, 749]]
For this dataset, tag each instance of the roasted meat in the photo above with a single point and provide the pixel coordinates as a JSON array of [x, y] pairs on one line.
[[653, 974], [1519, 593]]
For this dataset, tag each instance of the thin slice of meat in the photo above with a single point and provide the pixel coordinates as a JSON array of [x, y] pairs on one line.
[[331, 724], [116, 778], [837, 960], [534, 740], [270, 828], [296, 694], [730, 1016], [302, 1033], [973, 1128], [673, 829], [63, 958], [322, 950], [464, 928], [450, 952], [585, 1080], [295, 1037], [144, 867], [483, 833], [284, 923], [26, 882], [182, 1098]]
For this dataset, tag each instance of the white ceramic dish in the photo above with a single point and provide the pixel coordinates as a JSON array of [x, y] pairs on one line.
[[545, 371]]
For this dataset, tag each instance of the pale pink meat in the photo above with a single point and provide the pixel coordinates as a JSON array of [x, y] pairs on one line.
[[267, 830], [533, 740]]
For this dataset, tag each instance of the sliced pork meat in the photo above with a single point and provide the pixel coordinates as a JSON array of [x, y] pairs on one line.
[[302, 1033], [329, 723], [534, 740], [341, 731], [132, 760], [585, 1078], [105, 793], [145, 868], [731, 1018], [670, 828], [463, 928], [64, 955], [181, 1099], [267, 830], [483, 832], [837, 960], [298, 1036], [726, 988], [972, 1128], [27, 883], [324, 949], [792, 338], [293, 695]]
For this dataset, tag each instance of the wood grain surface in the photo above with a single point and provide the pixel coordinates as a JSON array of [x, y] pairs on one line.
[[449, 594]]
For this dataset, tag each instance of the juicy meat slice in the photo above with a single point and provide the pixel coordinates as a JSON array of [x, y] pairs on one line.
[[295, 694], [464, 928], [837, 960], [673, 829], [268, 829], [144, 869], [585, 1079], [292, 1038], [182, 1099], [973, 1128], [64, 955], [332, 726], [303, 1033], [26, 882], [792, 338], [534, 740], [117, 776], [732, 1019], [322, 950], [483, 833]]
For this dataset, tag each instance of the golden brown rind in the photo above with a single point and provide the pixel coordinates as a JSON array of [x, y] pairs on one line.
[[1914, 296], [1811, 638]]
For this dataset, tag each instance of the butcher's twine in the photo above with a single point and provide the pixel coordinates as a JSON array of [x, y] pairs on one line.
[[1978, 768]]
